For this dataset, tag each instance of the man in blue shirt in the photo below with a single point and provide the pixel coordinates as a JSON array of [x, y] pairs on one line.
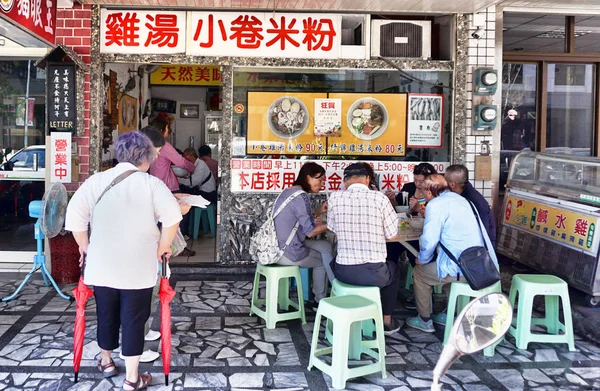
[[457, 177], [450, 220]]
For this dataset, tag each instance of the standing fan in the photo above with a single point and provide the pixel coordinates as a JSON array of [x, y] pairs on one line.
[[50, 212]]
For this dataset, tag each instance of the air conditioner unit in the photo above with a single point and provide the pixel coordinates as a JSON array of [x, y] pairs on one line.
[[401, 39]]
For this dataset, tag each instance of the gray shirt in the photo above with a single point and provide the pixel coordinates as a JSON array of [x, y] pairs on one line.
[[298, 210]]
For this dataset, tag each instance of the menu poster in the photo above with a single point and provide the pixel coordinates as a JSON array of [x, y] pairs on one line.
[[328, 117], [282, 123], [425, 121], [62, 112], [372, 124]]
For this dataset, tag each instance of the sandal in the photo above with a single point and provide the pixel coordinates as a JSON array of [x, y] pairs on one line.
[[103, 368], [143, 380]]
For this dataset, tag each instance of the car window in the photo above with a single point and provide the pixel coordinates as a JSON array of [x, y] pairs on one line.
[[25, 159]]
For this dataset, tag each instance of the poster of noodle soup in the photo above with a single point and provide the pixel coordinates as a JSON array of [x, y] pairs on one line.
[[372, 125], [282, 123]]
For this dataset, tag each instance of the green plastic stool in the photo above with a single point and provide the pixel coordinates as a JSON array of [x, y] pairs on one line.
[[208, 218], [438, 289], [278, 293], [525, 287], [460, 296], [368, 327], [347, 313]]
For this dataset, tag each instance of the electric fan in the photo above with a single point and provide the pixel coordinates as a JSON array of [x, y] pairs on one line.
[[50, 212]]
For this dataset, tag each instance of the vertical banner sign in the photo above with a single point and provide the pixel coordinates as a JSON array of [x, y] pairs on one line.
[[60, 155], [61, 98], [425, 121], [21, 108], [36, 16]]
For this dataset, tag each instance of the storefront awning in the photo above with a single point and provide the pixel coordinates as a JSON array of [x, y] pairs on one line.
[[554, 6], [359, 6]]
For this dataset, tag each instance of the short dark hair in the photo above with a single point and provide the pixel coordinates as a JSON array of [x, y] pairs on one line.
[[311, 169], [424, 169], [190, 152], [158, 140], [204, 150], [372, 177], [160, 123], [458, 173]]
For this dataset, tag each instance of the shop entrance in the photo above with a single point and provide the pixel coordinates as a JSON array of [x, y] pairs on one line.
[[136, 96]]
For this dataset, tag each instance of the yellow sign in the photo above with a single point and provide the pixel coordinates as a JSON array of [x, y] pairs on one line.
[[372, 124], [239, 108], [281, 123], [574, 229], [187, 75]]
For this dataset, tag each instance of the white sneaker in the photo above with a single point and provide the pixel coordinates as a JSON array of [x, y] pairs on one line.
[[152, 335], [147, 356]]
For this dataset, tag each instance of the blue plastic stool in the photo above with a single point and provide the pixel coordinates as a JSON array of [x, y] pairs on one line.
[[208, 218], [306, 280]]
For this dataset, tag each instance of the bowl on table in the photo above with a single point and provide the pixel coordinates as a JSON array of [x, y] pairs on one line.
[[402, 209], [416, 223]]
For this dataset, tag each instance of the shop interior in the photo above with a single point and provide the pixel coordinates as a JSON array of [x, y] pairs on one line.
[[194, 114]]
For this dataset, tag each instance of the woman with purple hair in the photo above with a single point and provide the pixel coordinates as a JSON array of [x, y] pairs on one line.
[[121, 207]]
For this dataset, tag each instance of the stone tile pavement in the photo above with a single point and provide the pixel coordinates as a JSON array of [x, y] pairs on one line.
[[217, 346]]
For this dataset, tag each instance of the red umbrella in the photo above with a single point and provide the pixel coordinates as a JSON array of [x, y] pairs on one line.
[[81, 293], [166, 293]]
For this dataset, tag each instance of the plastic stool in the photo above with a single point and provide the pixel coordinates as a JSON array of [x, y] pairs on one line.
[[460, 296], [526, 287], [278, 293], [438, 289], [208, 218], [347, 313]]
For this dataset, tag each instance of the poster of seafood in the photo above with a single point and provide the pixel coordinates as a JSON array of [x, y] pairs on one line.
[[425, 121], [372, 125], [328, 117], [282, 123]]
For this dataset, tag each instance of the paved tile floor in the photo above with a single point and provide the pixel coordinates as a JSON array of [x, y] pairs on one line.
[[217, 346]]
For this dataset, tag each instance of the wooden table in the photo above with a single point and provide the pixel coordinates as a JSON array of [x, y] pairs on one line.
[[406, 235]]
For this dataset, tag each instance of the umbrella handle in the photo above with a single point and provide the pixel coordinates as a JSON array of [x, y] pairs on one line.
[[164, 266], [83, 266]]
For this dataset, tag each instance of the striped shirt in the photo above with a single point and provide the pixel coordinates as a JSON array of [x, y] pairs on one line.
[[362, 220]]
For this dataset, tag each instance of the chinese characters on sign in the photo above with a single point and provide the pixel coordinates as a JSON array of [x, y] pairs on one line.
[[221, 33], [60, 155], [425, 121], [187, 75], [36, 16], [328, 117], [142, 32], [61, 98], [274, 175], [573, 229]]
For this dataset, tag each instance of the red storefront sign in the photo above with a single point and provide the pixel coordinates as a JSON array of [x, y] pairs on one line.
[[275, 175], [36, 16]]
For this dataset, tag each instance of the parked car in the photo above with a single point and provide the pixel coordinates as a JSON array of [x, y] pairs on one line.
[[25, 161]]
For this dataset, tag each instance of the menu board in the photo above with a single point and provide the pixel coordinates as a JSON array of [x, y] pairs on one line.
[[283, 123], [372, 124], [328, 117], [425, 121]]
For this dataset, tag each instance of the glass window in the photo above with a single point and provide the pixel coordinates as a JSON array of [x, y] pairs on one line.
[[534, 32], [22, 151], [571, 99], [587, 34], [519, 99]]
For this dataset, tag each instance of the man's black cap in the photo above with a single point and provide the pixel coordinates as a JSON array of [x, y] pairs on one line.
[[355, 169]]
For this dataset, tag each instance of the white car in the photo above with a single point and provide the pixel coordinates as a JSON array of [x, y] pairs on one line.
[[22, 163]]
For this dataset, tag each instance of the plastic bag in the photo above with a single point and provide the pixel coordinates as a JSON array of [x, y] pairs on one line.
[[179, 244]]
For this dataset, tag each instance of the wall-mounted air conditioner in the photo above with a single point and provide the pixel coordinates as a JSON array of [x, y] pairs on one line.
[[401, 39]]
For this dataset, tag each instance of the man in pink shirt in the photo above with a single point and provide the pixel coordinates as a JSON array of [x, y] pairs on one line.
[[205, 153], [161, 168]]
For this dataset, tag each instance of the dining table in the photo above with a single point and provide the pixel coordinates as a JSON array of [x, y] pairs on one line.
[[407, 234]]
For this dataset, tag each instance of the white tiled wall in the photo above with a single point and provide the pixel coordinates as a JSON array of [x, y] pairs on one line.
[[482, 53]]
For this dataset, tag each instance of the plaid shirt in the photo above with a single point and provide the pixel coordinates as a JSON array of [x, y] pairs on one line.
[[362, 220]]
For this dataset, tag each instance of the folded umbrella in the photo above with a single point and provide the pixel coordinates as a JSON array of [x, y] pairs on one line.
[[81, 293], [166, 293]]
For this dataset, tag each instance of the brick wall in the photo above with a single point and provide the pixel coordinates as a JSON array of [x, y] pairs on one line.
[[74, 29], [482, 53]]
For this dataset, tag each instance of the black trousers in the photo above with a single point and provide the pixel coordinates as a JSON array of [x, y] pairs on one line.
[[394, 249], [384, 275], [128, 309]]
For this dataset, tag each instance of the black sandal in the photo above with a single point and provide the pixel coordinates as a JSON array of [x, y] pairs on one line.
[[143, 381], [103, 369]]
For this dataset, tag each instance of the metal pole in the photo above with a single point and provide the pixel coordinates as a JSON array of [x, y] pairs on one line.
[[25, 140]]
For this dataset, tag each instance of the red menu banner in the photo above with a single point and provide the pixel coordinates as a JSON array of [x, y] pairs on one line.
[[37, 17]]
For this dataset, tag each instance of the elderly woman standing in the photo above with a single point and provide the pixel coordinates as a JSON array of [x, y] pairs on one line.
[[121, 207]]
